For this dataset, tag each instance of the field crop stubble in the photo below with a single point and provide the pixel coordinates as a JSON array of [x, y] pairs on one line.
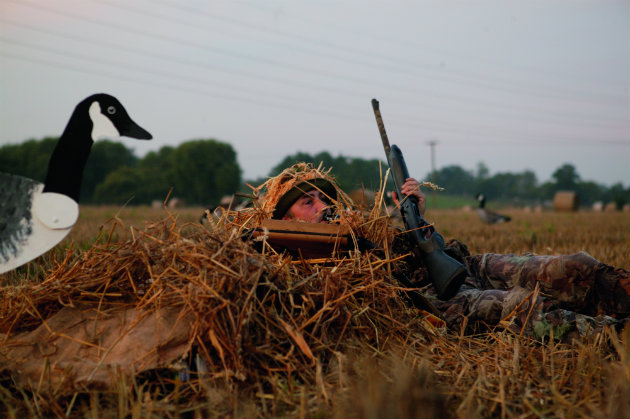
[[604, 235], [494, 375]]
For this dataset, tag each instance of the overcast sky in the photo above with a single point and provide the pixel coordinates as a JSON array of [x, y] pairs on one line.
[[515, 84]]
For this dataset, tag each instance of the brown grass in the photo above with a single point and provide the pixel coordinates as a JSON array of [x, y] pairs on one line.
[[295, 340], [606, 236]]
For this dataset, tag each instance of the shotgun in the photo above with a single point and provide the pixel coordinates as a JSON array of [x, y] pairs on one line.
[[446, 274]]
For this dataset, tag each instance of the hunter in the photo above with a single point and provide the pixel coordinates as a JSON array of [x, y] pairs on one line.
[[571, 294]]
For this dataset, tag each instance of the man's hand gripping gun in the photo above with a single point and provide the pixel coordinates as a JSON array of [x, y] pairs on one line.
[[445, 273]]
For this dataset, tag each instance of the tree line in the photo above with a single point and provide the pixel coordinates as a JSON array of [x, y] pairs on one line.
[[525, 188], [201, 171], [513, 188], [198, 171]]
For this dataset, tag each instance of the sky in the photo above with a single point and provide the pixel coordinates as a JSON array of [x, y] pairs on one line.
[[517, 85]]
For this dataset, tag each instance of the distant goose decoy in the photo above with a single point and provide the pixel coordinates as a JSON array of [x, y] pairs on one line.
[[488, 216], [34, 217]]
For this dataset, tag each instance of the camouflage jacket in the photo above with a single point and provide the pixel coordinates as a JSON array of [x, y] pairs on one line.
[[537, 295]]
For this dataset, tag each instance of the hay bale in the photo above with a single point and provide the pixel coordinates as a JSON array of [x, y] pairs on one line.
[[626, 208], [174, 203], [567, 201], [610, 207]]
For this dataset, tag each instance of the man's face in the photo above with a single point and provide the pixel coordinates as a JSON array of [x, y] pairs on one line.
[[310, 208]]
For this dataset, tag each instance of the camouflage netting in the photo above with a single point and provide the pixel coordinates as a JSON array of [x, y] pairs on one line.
[[276, 187], [149, 302]]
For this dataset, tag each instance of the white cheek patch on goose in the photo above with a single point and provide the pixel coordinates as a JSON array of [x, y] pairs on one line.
[[102, 126]]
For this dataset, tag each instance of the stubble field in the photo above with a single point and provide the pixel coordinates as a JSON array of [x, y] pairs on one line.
[[409, 371], [605, 235]]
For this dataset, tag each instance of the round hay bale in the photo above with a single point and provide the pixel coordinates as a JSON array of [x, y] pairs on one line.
[[626, 208], [610, 207], [566, 201], [176, 203]]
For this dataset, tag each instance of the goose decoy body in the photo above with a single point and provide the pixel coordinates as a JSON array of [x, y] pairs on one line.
[[34, 217], [488, 216]]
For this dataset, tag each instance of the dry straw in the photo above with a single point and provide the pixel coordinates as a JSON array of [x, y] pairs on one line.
[[253, 315], [288, 337]]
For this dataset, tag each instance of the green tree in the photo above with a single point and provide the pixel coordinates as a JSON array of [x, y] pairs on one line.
[[618, 195], [525, 185], [455, 180], [121, 186], [106, 156], [157, 171], [204, 171], [298, 157], [566, 177], [29, 159], [510, 186], [482, 172], [590, 192], [350, 172], [547, 190]]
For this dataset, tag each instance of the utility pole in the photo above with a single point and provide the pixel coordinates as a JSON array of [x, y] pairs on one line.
[[432, 144]]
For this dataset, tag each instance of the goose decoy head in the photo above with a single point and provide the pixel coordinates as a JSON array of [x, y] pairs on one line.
[[110, 119], [481, 199], [95, 117]]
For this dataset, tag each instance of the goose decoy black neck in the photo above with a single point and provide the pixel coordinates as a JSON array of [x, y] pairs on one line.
[[482, 200], [487, 216], [97, 116]]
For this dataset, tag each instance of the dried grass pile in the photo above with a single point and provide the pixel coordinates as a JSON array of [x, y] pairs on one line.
[[254, 319]]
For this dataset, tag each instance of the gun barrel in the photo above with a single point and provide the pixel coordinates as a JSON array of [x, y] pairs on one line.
[[381, 126], [398, 168]]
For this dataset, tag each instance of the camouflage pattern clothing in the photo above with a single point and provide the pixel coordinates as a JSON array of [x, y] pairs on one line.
[[565, 295]]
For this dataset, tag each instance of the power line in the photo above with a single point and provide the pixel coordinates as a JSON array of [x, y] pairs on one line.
[[197, 90], [383, 37], [258, 59], [442, 125], [285, 80], [165, 57], [377, 59], [510, 138]]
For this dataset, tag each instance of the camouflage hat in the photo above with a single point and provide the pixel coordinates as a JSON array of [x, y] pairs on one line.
[[283, 190]]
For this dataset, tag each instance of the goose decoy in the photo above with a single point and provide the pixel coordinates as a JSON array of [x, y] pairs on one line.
[[488, 216], [34, 217]]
